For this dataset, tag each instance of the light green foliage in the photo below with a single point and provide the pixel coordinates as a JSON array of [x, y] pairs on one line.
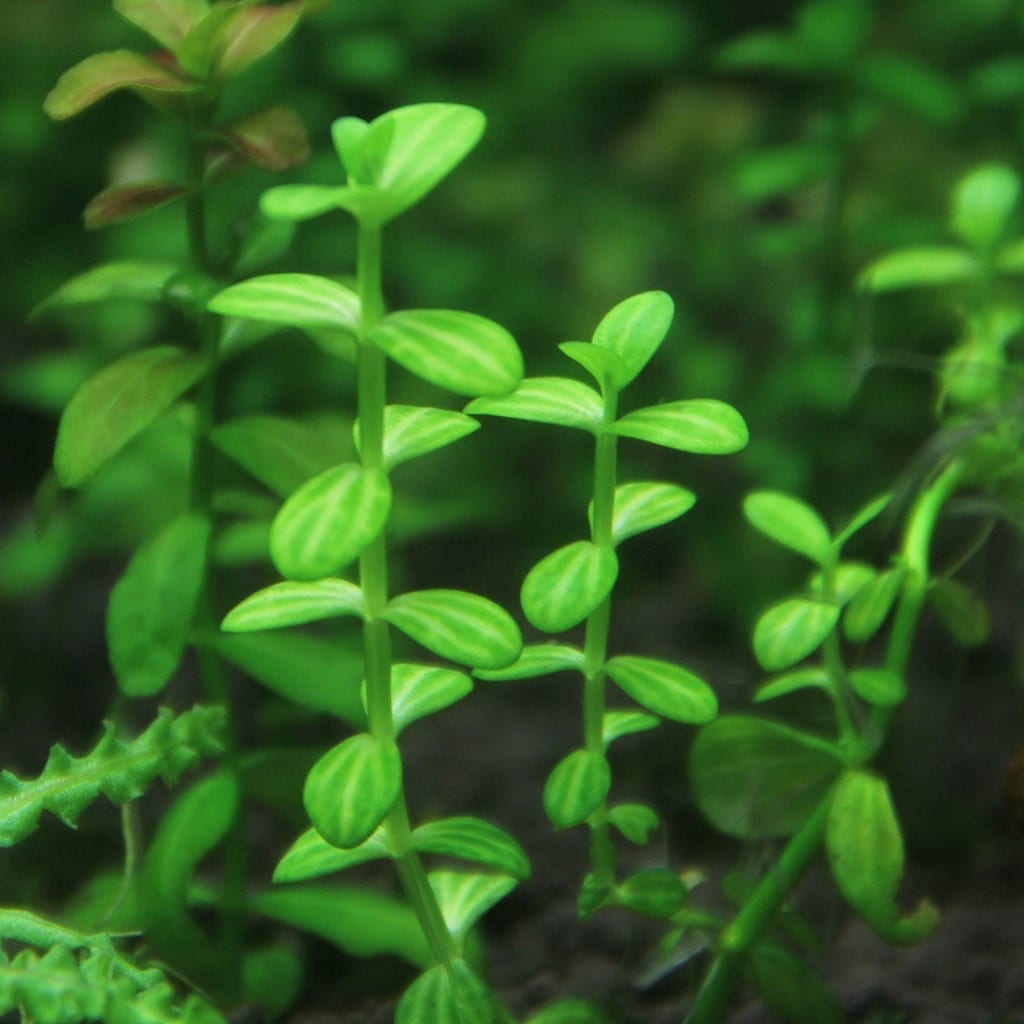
[[421, 690], [475, 840], [294, 300], [789, 522], [666, 689], [576, 787], [292, 604], [447, 996], [562, 589]]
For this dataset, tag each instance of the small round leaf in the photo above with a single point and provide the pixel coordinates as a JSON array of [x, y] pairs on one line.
[[562, 589]]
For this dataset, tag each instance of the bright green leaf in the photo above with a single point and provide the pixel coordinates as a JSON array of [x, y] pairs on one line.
[[124, 279], [570, 1011], [666, 689], [301, 202], [604, 365], [311, 856], [634, 329], [635, 821], [562, 589], [643, 506], [868, 513], [703, 426], [655, 892], [557, 400], [789, 522], [879, 686], [413, 430], [431, 999], [421, 690], [537, 660], [303, 301], [576, 787], [922, 267], [464, 897], [616, 724], [871, 605], [292, 604], [792, 629], [791, 989], [848, 580], [800, 679], [982, 204], [474, 840]]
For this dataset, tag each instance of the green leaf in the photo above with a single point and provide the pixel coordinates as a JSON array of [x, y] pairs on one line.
[[329, 521], [556, 400], [576, 787], [791, 989], [463, 627], [871, 605], [303, 301], [464, 898], [431, 999], [272, 979], [350, 790], [302, 202], [247, 34], [123, 279], [357, 921], [961, 611], [769, 51], [474, 840], [848, 580], [123, 202], [292, 604], [461, 352], [311, 856], [616, 724], [789, 522], [921, 267], [562, 589], [604, 365], [789, 631], [413, 430], [768, 173], [634, 329], [982, 205], [167, 21], [151, 608], [116, 404], [570, 1011], [867, 514], [420, 690], [865, 852], [635, 821], [701, 425], [792, 682], [911, 85], [643, 506], [757, 779], [655, 892], [537, 660], [666, 689], [315, 673], [103, 73], [879, 686]]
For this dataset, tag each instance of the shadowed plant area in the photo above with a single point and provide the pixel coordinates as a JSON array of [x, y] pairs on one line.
[[512, 512]]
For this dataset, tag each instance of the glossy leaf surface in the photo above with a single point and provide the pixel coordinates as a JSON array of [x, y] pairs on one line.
[[561, 590], [576, 788], [431, 999], [311, 856], [604, 365], [666, 689], [537, 660], [792, 629], [413, 430], [702, 426], [789, 522], [634, 329], [304, 301], [793, 682], [292, 604], [248, 33], [556, 400], [421, 690], [301, 202], [475, 840], [655, 892], [640, 507]]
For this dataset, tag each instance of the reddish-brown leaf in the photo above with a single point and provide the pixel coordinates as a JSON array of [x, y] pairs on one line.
[[251, 33], [167, 21], [274, 138], [124, 201]]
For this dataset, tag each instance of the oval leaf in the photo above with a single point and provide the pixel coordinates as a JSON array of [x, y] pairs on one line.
[[576, 788], [329, 521], [791, 989], [982, 205], [292, 604], [126, 201], [871, 605], [962, 611], [616, 724], [350, 790], [537, 660], [304, 301], [474, 840], [123, 279], [792, 682], [249, 33], [643, 506], [634, 329], [464, 897], [655, 892], [561, 590], [789, 522], [703, 426], [461, 352], [301, 202], [666, 689], [604, 365], [413, 430], [879, 686], [557, 400], [420, 690], [431, 998], [925, 267], [791, 630], [453, 624], [635, 821], [311, 856]]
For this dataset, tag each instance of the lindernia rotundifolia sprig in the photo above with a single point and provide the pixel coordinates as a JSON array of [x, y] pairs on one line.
[[574, 585], [354, 794]]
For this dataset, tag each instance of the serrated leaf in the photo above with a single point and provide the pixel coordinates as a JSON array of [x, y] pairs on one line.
[[616, 724], [702, 426], [790, 630], [871, 605], [639, 507], [475, 840], [421, 690], [790, 522], [303, 301], [801, 679], [274, 138], [122, 279], [865, 852], [655, 892], [432, 999], [576, 788], [464, 897], [151, 608], [635, 821], [921, 267], [537, 660], [634, 329], [878, 686], [311, 856], [329, 521], [556, 400], [461, 352], [561, 590], [465, 628], [413, 430], [962, 611], [666, 689], [292, 604], [350, 790], [167, 21], [116, 404], [123, 202], [103, 73], [757, 779]]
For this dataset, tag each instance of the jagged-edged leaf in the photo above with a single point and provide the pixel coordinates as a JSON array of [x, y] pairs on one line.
[[167, 21], [329, 521], [654, 892], [634, 329], [304, 301], [465, 897], [865, 852], [447, 996], [922, 267], [635, 821], [800, 679], [703, 426], [666, 689], [982, 204], [475, 840], [557, 400], [570, 1011], [961, 610], [413, 430], [311, 856], [616, 724], [359, 922], [122, 279], [640, 507], [604, 365], [421, 690], [757, 779], [792, 629], [113, 406], [302, 202], [879, 686], [352, 787], [791, 989], [126, 201], [118, 769], [561, 590], [790, 522], [274, 138], [151, 608], [576, 788], [292, 604], [871, 605], [537, 660], [465, 628], [461, 352], [103, 73], [316, 673]]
